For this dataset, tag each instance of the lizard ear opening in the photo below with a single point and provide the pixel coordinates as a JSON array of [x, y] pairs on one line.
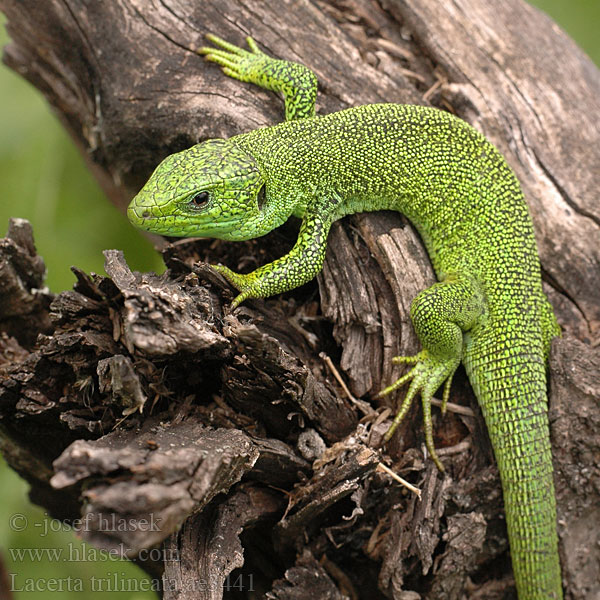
[[261, 197]]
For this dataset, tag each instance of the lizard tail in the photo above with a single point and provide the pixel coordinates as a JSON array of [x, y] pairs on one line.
[[509, 380]]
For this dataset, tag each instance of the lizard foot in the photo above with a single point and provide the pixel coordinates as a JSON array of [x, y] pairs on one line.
[[246, 284], [425, 377], [236, 62], [251, 285]]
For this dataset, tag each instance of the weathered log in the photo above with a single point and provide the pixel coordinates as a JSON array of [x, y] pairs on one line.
[[168, 356]]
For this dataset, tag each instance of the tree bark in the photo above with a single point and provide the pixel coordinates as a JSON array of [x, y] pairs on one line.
[[146, 399]]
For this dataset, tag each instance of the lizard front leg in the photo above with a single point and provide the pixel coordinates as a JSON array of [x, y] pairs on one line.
[[301, 264], [297, 83]]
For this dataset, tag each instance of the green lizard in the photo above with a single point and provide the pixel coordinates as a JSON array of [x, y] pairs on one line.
[[488, 308]]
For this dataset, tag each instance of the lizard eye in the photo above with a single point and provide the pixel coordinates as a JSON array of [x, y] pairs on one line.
[[261, 198], [200, 200]]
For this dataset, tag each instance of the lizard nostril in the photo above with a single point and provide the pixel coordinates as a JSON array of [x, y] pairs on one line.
[[146, 214]]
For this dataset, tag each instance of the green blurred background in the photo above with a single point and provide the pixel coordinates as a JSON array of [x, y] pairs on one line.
[[43, 179]]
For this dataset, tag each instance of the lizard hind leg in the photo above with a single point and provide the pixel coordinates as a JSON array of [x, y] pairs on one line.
[[440, 315]]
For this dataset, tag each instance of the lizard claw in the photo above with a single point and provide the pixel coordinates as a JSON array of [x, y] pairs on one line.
[[425, 377]]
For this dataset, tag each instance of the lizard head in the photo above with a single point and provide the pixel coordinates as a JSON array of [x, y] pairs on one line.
[[213, 189]]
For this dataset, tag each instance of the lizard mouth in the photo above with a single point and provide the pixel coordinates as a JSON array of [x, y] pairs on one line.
[[143, 217]]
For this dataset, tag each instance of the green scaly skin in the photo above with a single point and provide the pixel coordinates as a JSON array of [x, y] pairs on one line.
[[488, 308]]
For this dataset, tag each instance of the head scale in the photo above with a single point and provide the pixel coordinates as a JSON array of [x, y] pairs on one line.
[[213, 189]]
